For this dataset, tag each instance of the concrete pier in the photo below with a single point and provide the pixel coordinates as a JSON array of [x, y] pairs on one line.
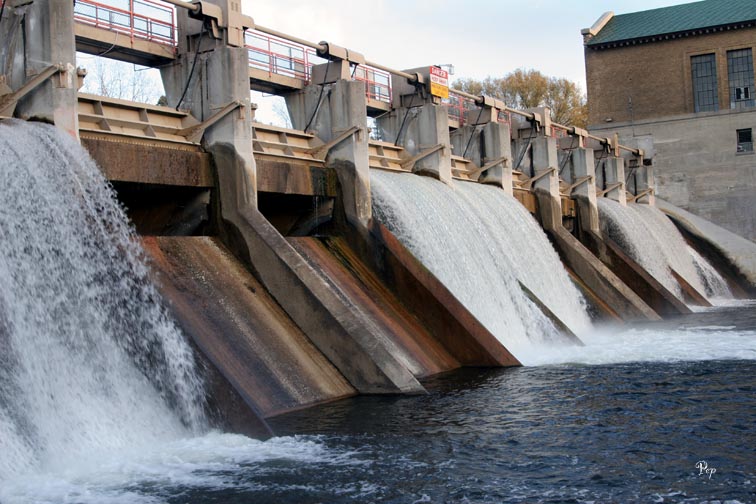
[[210, 78], [420, 124], [305, 297], [613, 174], [39, 54], [584, 192], [486, 142], [333, 107]]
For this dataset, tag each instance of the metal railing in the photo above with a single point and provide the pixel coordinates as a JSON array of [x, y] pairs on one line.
[[274, 52], [143, 19], [279, 56], [457, 104], [559, 131], [377, 83]]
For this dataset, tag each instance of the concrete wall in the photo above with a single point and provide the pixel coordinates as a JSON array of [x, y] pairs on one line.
[[698, 168], [655, 76]]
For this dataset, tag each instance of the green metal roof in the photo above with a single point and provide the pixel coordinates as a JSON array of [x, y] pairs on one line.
[[675, 19]]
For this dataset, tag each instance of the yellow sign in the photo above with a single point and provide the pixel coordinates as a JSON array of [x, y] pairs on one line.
[[439, 82]]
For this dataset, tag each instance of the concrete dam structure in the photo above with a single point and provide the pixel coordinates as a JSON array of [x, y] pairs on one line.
[[293, 267]]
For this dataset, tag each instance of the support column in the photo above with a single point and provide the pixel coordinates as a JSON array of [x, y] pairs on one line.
[[334, 108], [36, 36], [487, 141], [643, 181], [419, 124], [646, 183], [207, 82], [583, 167], [614, 171], [546, 188]]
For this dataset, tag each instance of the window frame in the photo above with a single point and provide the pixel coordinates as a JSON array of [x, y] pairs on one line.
[[704, 85], [743, 146], [740, 78]]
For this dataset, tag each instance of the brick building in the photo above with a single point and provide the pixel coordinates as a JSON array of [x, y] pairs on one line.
[[685, 75]]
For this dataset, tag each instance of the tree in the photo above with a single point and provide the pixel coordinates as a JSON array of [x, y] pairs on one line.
[[524, 89], [116, 79]]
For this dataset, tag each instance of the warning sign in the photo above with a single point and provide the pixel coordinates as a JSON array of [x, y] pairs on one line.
[[439, 82]]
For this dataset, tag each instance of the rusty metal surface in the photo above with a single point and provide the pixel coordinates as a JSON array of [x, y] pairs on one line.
[[690, 293], [418, 348], [634, 276], [123, 159], [600, 305], [240, 328], [449, 321], [527, 199], [294, 177]]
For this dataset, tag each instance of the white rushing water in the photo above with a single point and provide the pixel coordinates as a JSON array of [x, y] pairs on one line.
[[715, 287], [653, 241], [616, 345], [479, 242], [99, 398], [76, 312]]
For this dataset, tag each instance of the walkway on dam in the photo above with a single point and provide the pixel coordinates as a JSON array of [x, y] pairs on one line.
[[145, 32]]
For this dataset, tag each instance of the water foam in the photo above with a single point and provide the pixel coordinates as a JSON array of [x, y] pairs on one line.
[[616, 345], [89, 361], [148, 474], [479, 242]]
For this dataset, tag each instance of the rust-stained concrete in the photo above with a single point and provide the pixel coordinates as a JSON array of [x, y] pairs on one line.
[[332, 322], [634, 276], [692, 296], [422, 294], [126, 159], [597, 277], [412, 341], [294, 177], [240, 328]]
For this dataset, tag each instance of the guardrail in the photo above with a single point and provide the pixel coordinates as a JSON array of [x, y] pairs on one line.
[[377, 83], [271, 51], [457, 105], [143, 19], [279, 56]]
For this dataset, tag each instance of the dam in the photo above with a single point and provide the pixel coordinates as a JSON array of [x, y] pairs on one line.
[[411, 281]]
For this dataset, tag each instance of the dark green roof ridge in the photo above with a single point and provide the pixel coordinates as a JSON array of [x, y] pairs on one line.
[[675, 19]]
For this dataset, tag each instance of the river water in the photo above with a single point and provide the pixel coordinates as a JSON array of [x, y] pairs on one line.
[[624, 419]]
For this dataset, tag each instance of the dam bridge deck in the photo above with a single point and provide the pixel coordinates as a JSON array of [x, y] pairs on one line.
[[144, 32]]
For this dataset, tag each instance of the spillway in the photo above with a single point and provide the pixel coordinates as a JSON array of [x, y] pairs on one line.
[[481, 243], [89, 360], [653, 241]]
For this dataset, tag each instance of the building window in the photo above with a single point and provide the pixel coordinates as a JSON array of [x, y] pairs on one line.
[[745, 140], [704, 69], [740, 75]]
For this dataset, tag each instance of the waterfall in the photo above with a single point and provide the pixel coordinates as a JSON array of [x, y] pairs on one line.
[[653, 241], [715, 286], [480, 242], [89, 360]]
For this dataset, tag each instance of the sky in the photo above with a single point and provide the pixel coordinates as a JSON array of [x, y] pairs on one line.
[[479, 37]]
